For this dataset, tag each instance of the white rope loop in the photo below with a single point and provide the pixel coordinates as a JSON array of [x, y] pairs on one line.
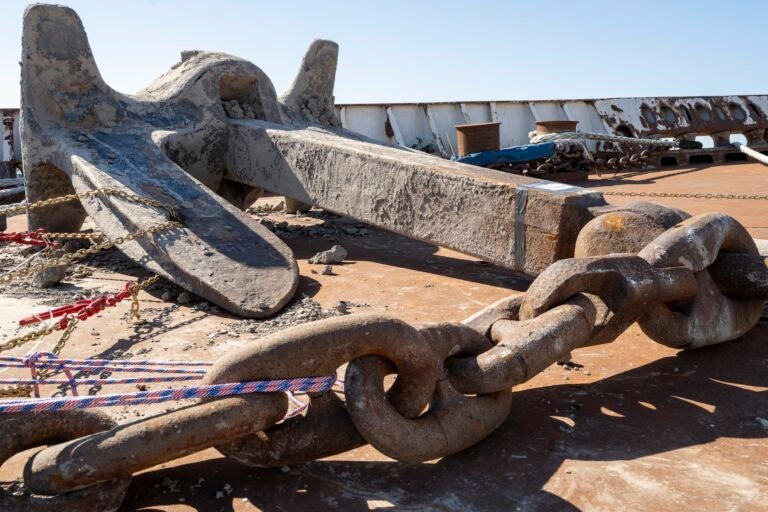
[[604, 137]]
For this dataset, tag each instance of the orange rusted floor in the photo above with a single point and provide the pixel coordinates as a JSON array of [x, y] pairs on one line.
[[638, 427]]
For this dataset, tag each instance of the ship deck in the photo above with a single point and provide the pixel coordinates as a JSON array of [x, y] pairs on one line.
[[633, 425]]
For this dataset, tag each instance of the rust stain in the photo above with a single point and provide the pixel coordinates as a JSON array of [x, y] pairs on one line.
[[613, 222]]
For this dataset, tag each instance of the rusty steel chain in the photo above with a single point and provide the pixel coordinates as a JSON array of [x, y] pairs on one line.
[[135, 198], [67, 326], [69, 258], [626, 161], [25, 390], [685, 195], [454, 381], [571, 157]]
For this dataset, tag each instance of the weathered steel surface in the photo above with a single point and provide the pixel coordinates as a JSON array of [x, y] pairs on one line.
[[78, 133], [625, 229], [519, 223], [452, 423]]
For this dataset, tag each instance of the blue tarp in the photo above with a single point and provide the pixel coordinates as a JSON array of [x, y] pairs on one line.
[[513, 155]]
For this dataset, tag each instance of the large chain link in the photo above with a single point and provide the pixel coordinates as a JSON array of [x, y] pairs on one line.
[[464, 372]]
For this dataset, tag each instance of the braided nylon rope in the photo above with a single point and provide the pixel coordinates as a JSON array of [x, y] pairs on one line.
[[99, 382], [306, 384], [604, 137], [98, 365], [50, 360]]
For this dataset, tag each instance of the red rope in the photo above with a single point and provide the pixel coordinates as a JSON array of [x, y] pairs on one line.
[[81, 309], [28, 238]]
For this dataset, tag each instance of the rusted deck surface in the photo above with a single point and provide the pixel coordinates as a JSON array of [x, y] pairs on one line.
[[638, 427]]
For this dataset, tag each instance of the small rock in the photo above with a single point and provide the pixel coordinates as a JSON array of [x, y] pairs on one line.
[[762, 422], [341, 307], [327, 270], [50, 277], [71, 246], [166, 296], [335, 254], [184, 298]]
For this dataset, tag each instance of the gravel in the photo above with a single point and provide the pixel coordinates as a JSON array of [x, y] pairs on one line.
[[298, 312]]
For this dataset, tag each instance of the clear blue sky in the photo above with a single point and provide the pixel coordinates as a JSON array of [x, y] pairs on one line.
[[420, 50]]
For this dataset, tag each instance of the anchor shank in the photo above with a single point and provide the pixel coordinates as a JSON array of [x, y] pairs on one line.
[[517, 222]]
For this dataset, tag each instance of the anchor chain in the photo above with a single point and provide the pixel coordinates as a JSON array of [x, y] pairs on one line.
[[454, 381], [135, 198], [686, 195], [69, 258], [573, 156]]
